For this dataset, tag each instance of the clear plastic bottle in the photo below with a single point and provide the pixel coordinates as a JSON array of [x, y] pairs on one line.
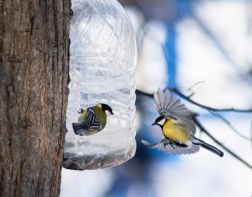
[[102, 70]]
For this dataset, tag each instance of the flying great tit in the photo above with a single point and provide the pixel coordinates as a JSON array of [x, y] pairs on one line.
[[177, 126], [92, 120]]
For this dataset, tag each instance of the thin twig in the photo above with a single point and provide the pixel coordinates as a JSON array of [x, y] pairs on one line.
[[209, 109], [195, 84], [230, 125], [202, 128], [176, 91]]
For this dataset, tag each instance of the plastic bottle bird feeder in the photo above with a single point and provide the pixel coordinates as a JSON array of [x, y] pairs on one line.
[[102, 70]]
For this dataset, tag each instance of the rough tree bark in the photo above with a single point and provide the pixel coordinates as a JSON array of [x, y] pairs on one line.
[[34, 44]]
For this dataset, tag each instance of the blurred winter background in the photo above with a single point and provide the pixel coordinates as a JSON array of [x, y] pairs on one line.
[[181, 43]]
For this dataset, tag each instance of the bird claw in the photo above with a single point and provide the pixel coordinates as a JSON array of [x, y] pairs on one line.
[[170, 143]]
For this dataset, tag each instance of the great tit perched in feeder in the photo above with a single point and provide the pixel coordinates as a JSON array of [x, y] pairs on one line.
[[92, 120], [177, 126]]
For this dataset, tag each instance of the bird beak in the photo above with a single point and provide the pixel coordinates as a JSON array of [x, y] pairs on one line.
[[112, 113], [154, 123]]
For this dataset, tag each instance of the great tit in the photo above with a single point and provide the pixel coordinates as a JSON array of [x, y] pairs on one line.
[[92, 120], [177, 126]]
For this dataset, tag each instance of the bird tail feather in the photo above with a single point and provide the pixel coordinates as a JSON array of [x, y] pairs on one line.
[[79, 125], [76, 126], [207, 146]]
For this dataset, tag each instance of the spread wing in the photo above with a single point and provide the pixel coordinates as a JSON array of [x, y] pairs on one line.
[[168, 147], [169, 106], [177, 150], [94, 124]]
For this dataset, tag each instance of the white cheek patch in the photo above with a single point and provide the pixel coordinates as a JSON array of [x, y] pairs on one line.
[[161, 122], [107, 113]]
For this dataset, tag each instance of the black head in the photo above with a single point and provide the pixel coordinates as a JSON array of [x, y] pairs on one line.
[[160, 121], [106, 107]]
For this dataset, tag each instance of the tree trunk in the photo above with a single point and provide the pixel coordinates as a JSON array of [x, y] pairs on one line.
[[34, 67]]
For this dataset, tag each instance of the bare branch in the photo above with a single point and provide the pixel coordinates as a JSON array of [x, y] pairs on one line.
[[176, 91], [195, 84], [203, 129], [212, 111], [187, 98], [230, 125]]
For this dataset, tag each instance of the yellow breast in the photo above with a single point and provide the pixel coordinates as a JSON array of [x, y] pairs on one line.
[[176, 131]]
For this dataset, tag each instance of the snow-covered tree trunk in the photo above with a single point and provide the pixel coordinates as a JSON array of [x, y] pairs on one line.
[[34, 67]]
